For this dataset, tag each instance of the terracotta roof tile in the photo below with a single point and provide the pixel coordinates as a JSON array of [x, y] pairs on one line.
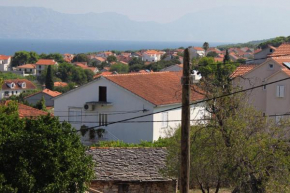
[[29, 85], [242, 69], [25, 111], [282, 50], [46, 62], [60, 84], [3, 57], [29, 66], [51, 93], [159, 88], [198, 48]]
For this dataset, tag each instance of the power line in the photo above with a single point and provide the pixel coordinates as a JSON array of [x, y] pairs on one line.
[[198, 102]]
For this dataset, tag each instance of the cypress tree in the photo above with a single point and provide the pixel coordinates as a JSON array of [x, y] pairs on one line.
[[227, 57], [48, 79]]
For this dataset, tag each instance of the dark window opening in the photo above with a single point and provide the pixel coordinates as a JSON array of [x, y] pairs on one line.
[[103, 94], [123, 188]]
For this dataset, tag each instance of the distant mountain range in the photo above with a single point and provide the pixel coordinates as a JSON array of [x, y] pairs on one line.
[[225, 24]]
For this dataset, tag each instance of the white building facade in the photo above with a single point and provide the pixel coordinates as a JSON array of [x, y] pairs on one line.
[[5, 63], [103, 103]]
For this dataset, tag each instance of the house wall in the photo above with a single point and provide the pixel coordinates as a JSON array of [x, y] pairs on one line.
[[15, 92], [37, 97], [135, 187], [260, 57], [258, 97], [151, 58], [122, 102], [5, 65], [27, 71], [160, 129], [276, 105]]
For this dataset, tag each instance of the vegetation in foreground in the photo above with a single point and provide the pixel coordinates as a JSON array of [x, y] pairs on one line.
[[41, 155]]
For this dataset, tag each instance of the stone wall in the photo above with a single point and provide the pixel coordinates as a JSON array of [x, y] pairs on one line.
[[135, 187]]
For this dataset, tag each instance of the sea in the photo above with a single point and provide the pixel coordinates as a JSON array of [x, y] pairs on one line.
[[10, 46]]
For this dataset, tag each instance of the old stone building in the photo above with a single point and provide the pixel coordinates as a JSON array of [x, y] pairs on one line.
[[130, 170]]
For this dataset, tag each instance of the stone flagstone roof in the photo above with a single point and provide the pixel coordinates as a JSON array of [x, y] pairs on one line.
[[129, 164]]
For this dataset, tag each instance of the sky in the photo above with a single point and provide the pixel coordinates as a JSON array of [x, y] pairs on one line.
[[162, 11]]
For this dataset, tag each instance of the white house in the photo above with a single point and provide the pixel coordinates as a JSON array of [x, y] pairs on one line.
[[15, 87], [5, 63], [41, 64], [261, 55], [152, 56], [46, 93], [113, 98], [196, 52], [27, 69]]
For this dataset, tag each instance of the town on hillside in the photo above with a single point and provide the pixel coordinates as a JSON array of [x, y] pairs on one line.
[[110, 121]]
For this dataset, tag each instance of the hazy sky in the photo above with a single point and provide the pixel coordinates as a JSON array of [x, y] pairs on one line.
[[143, 10]]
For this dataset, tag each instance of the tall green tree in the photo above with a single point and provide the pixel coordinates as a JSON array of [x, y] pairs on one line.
[[111, 59], [227, 57], [55, 56], [80, 58], [41, 155], [205, 46], [49, 78], [41, 104]]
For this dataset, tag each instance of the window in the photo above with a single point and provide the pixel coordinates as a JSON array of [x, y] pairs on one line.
[[271, 66], [103, 94], [103, 119], [39, 66], [6, 93], [23, 85], [16, 92], [164, 120], [280, 91], [271, 50], [123, 188], [12, 92], [75, 115], [30, 70], [39, 71]]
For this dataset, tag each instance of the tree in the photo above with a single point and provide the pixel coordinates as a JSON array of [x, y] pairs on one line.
[[120, 68], [241, 61], [41, 104], [227, 57], [41, 155], [205, 46], [55, 56], [111, 59], [237, 147], [49, 78], [135, 67], [136, 60], [80, 58], [212, 54], [23, 57]]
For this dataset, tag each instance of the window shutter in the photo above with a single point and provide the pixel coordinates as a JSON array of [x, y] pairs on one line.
[[281, 91]]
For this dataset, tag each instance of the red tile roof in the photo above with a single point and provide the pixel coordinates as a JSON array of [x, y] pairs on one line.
[[25, 111], [159, 88], [282, 50], [29, 85], [85, 67], [46, 62], [46, 91], [29, 66], [198, 48], [242, 69], [51, 93], [60, 84], [3, 57]]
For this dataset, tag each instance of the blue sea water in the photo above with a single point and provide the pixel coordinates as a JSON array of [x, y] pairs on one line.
[[10, 46]]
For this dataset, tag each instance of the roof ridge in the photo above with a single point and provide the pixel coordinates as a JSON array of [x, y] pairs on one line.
[[137, 73], [92, 148]]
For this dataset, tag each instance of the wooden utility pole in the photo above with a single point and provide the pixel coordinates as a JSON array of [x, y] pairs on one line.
[[185, 124]]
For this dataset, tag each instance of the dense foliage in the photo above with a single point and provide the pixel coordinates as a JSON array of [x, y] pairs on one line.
[[161, 142], [120, 68], [237, 147], [41, 155], [276, 42], [157, 66], [11, 75], [23, 57]]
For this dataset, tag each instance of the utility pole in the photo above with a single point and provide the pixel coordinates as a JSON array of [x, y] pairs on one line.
[[185, 124]]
